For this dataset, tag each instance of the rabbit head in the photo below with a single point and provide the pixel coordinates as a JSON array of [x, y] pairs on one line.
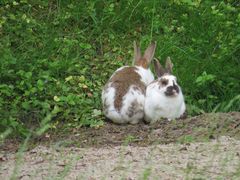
[[167, 82]]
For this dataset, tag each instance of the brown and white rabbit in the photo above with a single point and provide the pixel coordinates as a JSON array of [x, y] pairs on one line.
[[124, 94], [164, 98]]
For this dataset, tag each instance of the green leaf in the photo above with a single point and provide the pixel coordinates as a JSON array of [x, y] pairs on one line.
[[26, 105]]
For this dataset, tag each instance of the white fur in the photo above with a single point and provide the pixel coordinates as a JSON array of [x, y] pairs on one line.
[[146, 75], [108, 96], [158, 105]]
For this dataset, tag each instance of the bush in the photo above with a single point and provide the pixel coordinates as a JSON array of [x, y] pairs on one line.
[[56, 56]]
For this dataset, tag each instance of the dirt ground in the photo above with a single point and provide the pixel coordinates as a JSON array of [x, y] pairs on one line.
[[200, 128], [202, 147]]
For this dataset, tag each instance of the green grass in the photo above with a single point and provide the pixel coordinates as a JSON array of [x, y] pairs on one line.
[[57, 55]]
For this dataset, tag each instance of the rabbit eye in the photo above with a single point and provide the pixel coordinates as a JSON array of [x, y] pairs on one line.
[[164, 82]]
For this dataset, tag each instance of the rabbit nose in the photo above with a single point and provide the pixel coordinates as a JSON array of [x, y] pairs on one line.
[[175, 88], [172, 90]]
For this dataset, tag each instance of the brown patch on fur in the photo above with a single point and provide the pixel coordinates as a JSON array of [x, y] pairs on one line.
[[164, 82], [142, 62], [122, 80], [141, 89], [132, 109]]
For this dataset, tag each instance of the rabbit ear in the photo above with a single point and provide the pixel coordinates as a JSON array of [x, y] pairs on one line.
[[158, 68], [169, 65], [137, 52], [149, 53]]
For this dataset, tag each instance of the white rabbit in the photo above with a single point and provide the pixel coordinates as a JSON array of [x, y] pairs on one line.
[[164, 98], [124, 94]]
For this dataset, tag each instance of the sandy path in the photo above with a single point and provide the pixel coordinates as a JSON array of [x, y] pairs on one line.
[[219, 158]]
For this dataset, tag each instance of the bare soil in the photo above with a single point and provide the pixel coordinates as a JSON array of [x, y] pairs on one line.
[[202, 147], [217, 159], [193, 129]]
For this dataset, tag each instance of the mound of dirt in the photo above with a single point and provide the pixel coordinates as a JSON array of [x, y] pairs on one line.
[[194, 129]]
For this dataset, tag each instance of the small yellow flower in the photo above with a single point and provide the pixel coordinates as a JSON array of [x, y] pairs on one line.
[[68, 78], [84, 86], [56, 98], [15, 3]]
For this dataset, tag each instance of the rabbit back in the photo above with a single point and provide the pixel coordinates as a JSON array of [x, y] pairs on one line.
[[124, 94]]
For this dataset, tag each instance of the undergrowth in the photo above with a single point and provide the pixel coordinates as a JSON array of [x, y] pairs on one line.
[[56, 56]]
